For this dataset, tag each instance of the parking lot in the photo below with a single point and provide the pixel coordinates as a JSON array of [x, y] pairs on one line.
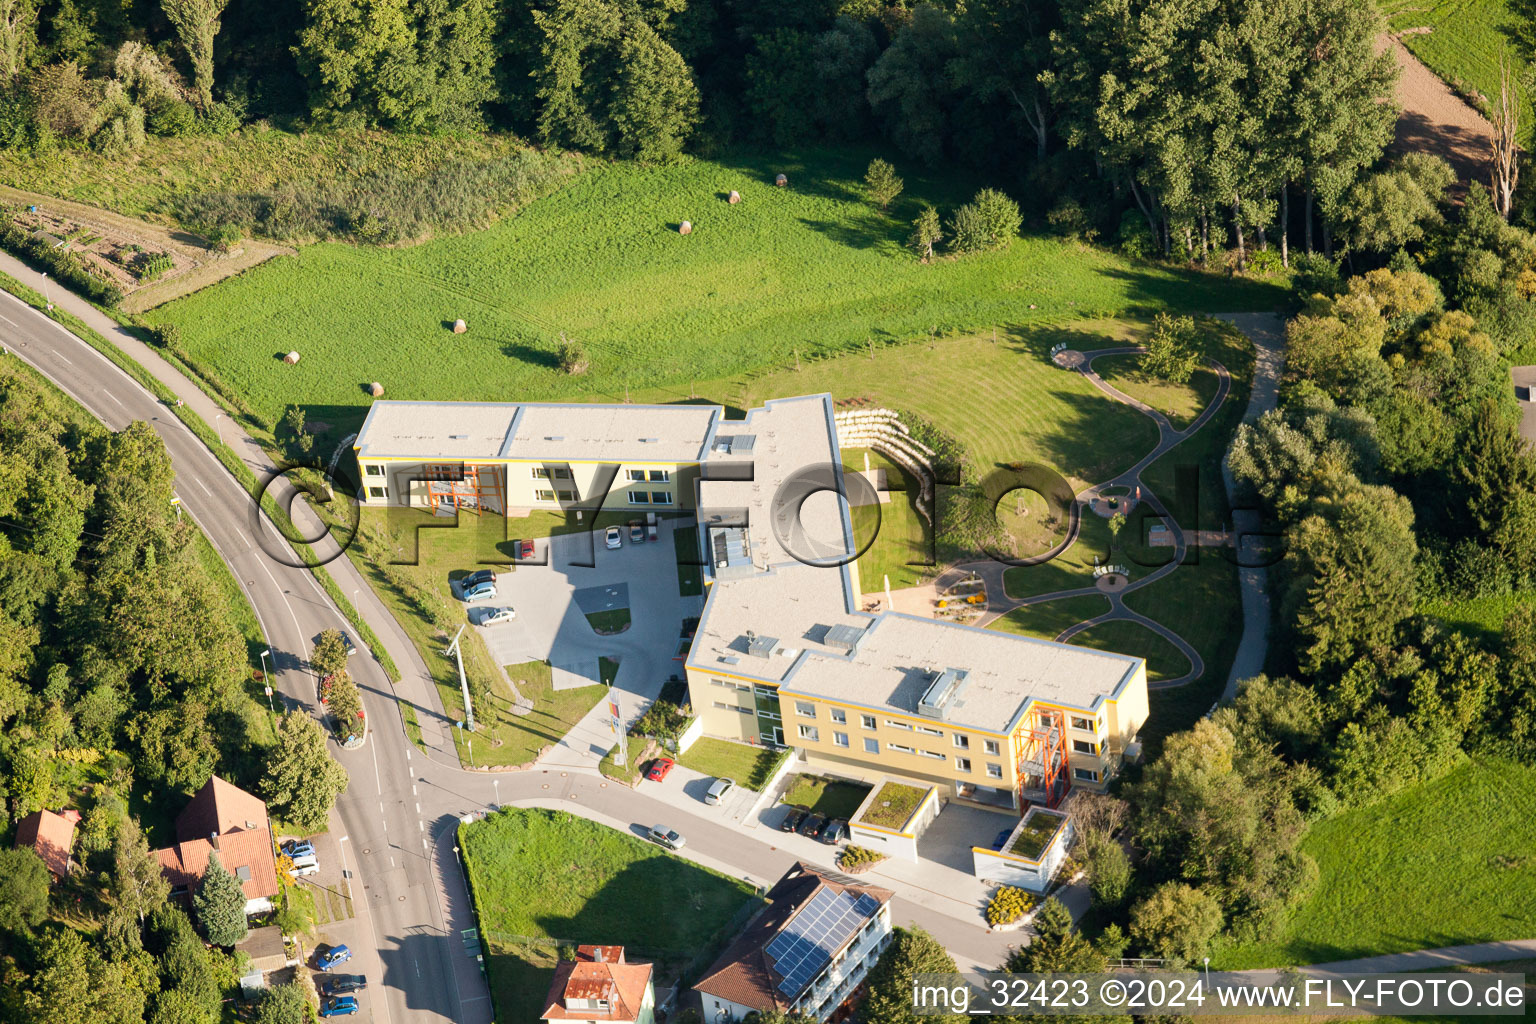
[[569, 576]]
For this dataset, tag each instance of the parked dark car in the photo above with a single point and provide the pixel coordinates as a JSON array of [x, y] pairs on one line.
[[342, 984], [835, 832], [476, 578], [341, 1006], [335, 956], [812, 827], [1002, 837], [792, 820]]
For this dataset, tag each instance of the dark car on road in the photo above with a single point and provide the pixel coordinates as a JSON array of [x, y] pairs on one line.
[[333, 957], [812, 826], [792, 820], [342, 984], [835, 832]]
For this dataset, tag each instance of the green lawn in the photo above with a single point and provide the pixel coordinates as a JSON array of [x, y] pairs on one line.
[[1122, 636], [749, 766], [1181, 403], [1443, 864], [548, 875], [1046, 621], [893, 805], [894, 538], [1464, 45], [832, 797], [787, 275], [1482, 617], [609, 622], [690, 574], [502, 738]]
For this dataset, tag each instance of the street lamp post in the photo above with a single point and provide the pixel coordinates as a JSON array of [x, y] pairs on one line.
[[496, 784], [216, 417], [46, 297]]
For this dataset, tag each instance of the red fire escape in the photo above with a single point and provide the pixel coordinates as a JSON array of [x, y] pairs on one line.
[[1042, 766], [462, 486]]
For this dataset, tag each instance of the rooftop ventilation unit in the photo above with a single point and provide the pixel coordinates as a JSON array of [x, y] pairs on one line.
[[735, 443], [729, 659], [554, 437], [941, 692], [761, 646], [459, 437], [844, 638]]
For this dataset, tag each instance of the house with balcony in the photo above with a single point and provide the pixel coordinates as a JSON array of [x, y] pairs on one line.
[[808, 951], [601, 985], [223, 819]]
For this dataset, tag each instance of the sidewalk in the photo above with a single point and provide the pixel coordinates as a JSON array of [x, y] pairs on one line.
[[415, 684]]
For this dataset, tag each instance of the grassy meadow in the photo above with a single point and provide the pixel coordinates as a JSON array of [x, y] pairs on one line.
[[1446, 863], [1463, 46], [787, 275]]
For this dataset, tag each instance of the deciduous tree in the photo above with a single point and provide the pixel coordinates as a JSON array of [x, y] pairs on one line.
[[24, 882], [302, 780], [197, 23]]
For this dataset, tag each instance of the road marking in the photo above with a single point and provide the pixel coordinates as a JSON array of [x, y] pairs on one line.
[[413, 789], [418, 807], [421, 826], [64, 357], [13, 323], [381, 806], [203, 486], [114, 398], [378, 780]]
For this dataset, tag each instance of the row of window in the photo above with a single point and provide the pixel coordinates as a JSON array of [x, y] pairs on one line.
[[806, 709], [650, 497], [812, 734], [655, 475]]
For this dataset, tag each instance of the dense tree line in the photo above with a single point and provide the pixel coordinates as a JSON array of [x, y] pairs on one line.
[[121, 681], [1194, 119]]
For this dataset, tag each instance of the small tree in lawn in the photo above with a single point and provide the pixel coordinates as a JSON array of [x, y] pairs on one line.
[[220, 905], [989, 221], [1171, 353], [881, 183], [330, 652], [573, 357], [926, 233], [1116, 524]]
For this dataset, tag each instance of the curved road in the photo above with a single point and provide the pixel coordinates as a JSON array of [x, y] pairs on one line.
[[396, 823]]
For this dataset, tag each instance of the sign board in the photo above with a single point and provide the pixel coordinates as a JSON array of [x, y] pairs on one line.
[[269, 691]]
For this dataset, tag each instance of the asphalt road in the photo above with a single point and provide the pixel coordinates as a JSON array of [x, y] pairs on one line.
[[396, 822]]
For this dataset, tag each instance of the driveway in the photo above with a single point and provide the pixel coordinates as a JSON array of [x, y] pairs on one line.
[[549, 593], [685, 789]]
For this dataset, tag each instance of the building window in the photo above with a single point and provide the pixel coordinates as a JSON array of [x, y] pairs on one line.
[[567, 495], [994, 771], [963, 742], [840, 739], [838, 715], [1085, 724], [898, 725], [661, 497], [962, 764], [542, 495], [639, 498], [871, 746], [660, 476], [732, 707], [375, 470], [901, 748], [637, 475], [809, 732], [868, 721], [1086, 774], [804, 709], [377, 492], [930, 732], [990, 746], [929, 753], [1085, 746], [562, 474], [539, 473]]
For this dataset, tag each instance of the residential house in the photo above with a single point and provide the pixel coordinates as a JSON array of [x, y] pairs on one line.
[[600, 985], [52, 836], [224, 819], [807, 951]]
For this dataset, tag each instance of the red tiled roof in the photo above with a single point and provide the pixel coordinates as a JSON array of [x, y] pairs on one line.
[[185, 863], [744, 973], [220, 807], [622, 984], [51, 835]]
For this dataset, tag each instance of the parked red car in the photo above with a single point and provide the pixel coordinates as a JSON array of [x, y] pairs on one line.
[[659, 768], [525, 549]]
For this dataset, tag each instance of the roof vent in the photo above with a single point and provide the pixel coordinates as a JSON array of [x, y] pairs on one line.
[[843, 638], [760, 646], [941, 691], [649, 440], [243, 872], [459, 437], [729, 659], [554, 437]]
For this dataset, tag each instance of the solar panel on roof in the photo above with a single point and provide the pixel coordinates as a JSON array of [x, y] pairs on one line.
[[820, 929]]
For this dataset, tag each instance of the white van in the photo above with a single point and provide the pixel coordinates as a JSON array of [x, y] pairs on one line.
[[303, 866], [719, 790]]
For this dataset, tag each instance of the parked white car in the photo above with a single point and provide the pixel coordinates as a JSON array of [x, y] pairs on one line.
[[719, 790], [495, 615]]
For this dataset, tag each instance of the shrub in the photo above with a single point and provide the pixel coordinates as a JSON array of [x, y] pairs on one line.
[[663, 720], [856, 859], [1069, 220], [573, 357], [1134, 238], [1109, 873], [1264, 263], [148, 266], [989, 221], [1313, 273], [1009, 904], [881, 183], [1171, 353], [221, 119], [173, 118]]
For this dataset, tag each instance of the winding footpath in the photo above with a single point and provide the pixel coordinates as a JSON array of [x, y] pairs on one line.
[[1265, 331]]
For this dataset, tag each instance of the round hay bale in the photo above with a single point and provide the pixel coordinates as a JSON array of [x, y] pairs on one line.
[[781, 180], [733, 198], [685, 228], [292, 358], [459, 327], [375, 389]]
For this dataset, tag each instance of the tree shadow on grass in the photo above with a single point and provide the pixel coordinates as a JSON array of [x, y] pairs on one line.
[[1154, 287], [866, 230], [530, 355]]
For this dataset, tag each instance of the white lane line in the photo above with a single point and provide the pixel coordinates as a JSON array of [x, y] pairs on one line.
[[64, 357], [13, 323], [114, 398], [421, 826], [203, 486], [381, 806], [378, 780], [418, 807], [413, 789]]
